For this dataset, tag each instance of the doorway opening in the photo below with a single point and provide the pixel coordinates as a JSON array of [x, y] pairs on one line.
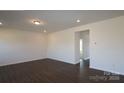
[[82, 53], [82, 47]]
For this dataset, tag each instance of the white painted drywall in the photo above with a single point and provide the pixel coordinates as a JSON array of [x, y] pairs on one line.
[[20, 46], [61, 46], [77, 48], [106, 44]]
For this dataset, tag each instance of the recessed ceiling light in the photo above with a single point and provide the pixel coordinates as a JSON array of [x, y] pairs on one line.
[[36, 22], [1, 23], [78, 21]]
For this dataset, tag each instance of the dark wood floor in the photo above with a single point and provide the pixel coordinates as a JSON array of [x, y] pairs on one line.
[[51, 71], [46, 70]]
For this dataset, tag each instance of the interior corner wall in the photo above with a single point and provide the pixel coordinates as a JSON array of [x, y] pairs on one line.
[[61, 46], [21, 46], [106, 44]]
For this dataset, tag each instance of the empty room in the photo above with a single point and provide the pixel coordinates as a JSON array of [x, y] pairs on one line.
[[62, 46]]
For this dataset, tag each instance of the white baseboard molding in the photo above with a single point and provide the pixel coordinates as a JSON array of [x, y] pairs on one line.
[[62, 60], [18, 62], [86, 58]]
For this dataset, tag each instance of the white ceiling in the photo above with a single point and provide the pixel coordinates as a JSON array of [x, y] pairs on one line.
[[54, 20]]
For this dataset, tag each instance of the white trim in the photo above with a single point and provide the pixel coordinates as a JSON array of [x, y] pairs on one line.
[[86, 58]]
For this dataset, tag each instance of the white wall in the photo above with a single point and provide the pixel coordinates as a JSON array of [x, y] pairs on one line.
[[77, 48], [20, 46], [61, 46], [108, 52]]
